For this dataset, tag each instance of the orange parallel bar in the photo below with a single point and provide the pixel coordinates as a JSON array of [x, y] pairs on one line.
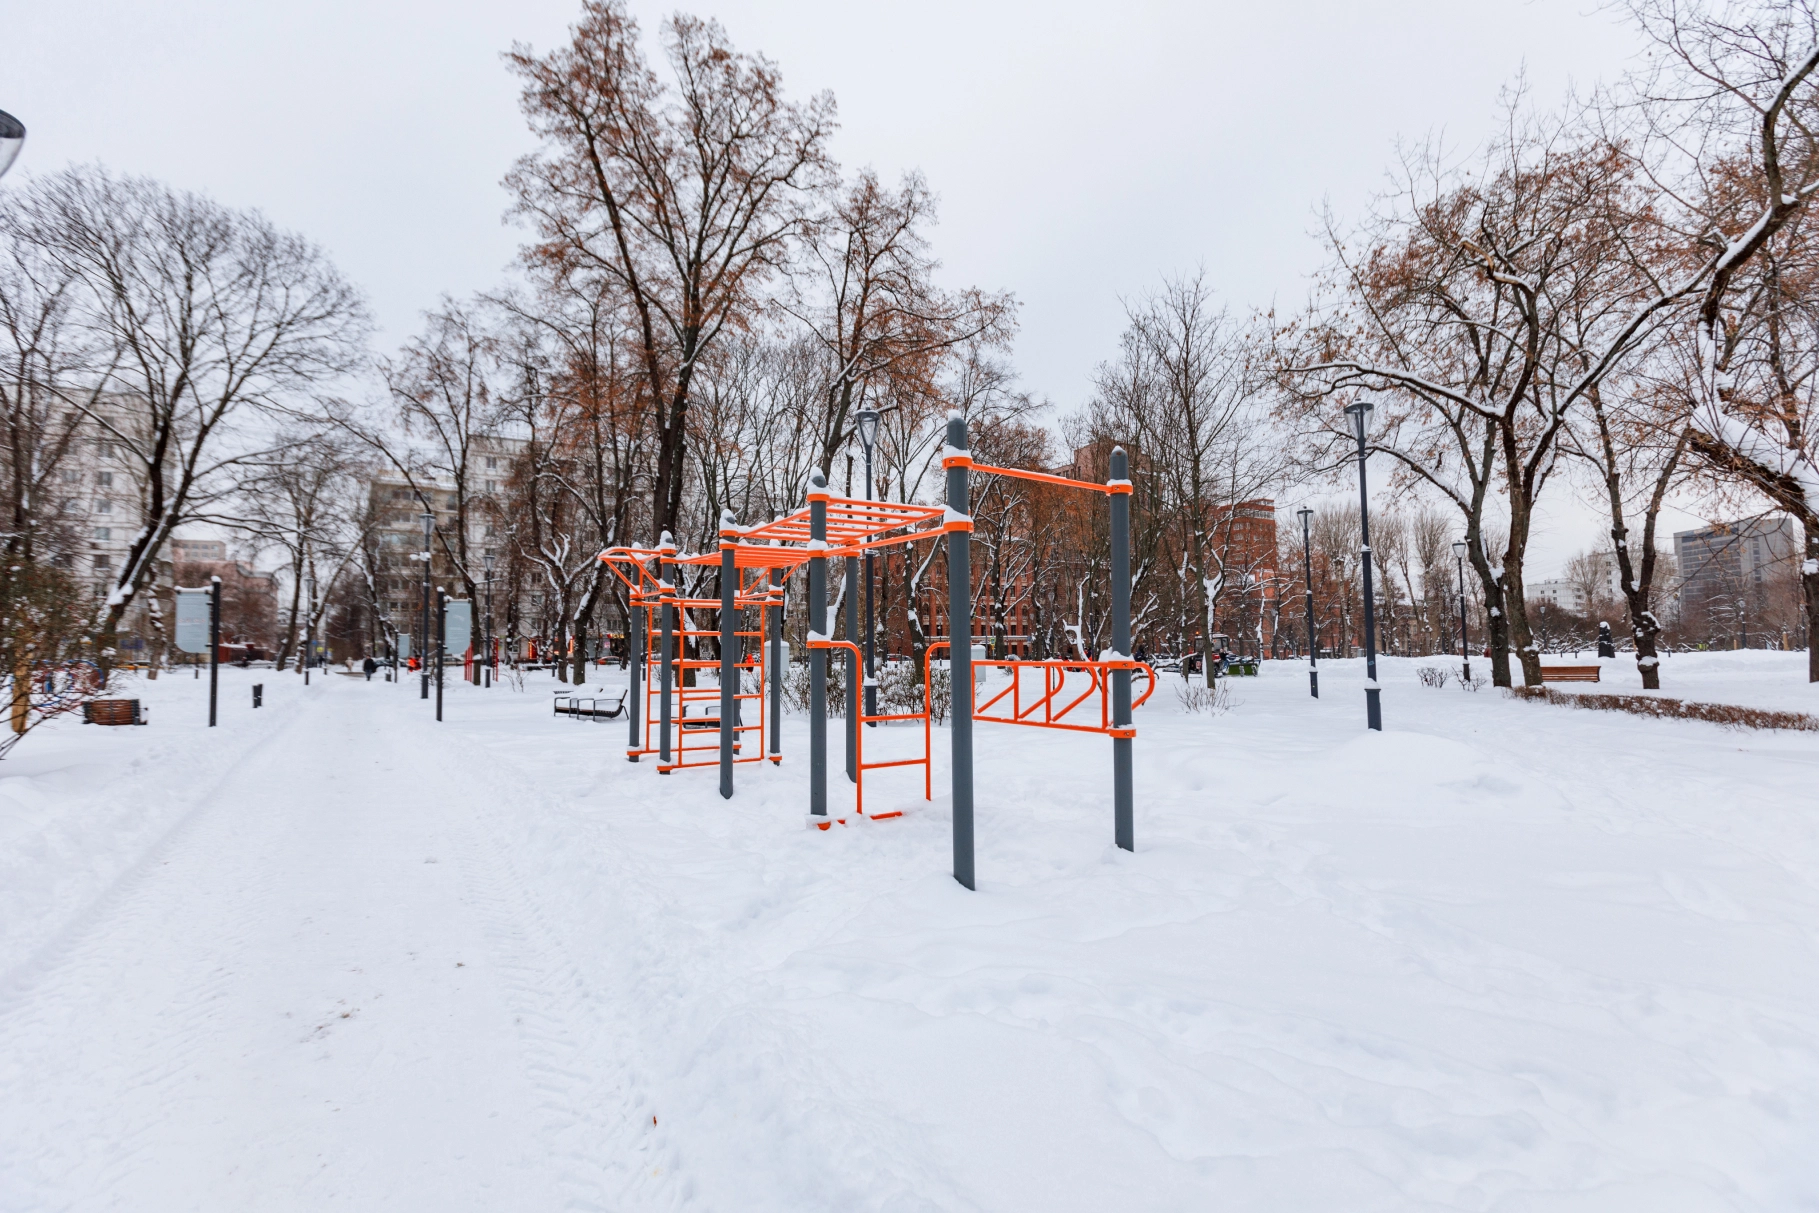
[[1046, 478]]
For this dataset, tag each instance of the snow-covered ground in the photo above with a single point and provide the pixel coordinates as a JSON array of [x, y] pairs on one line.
[[331, 954]]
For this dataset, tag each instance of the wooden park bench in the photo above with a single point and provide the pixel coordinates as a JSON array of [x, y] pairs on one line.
[[1570, 673], [113, 711]]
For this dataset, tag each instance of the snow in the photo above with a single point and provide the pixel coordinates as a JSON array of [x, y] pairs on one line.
[[1501, 956]]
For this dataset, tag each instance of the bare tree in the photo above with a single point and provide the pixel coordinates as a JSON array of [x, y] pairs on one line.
[[684, 197], [211, 311]]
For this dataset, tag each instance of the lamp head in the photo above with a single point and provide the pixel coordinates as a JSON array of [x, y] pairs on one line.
[[429, 524], [488, 561], [866, 422], [1459, 548], [1359, 412], [12, 138], [1304, 513]]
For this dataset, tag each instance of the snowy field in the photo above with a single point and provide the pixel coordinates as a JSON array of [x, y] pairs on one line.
[[1504, 956]]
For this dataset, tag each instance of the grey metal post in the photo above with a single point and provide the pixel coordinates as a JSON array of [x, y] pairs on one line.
[[774, 617], [853, 699], [1123, 795], [1465, 635], [729, 669], [1373, 706], [214, 645], [666, 645], [958, 528], [1313, 637], [817, 658], [634, 664], [441, 642]]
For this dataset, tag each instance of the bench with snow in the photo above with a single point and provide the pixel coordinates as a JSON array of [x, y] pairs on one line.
[[1570, 673], [587, 707]]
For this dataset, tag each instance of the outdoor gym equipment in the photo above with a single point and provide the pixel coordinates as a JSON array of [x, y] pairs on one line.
[[830, 526]]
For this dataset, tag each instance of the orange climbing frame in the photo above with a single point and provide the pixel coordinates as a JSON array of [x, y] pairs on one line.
[[855, 526]]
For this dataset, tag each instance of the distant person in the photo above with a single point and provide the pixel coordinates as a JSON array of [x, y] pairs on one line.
[[369, 666], [1141, 654]]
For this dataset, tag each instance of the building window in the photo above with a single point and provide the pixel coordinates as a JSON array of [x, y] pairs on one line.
[[103, 562], [71, 475], [105, 479], [491, 463], [492, 486], [102, 532], [104, 506]]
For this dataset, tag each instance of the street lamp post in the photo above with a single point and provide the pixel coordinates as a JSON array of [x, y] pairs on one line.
[[1359, 412], [12, 138], [429, 529], [1465, 637], [1306, 514], [865, 421], [487, 642], [309, 629]]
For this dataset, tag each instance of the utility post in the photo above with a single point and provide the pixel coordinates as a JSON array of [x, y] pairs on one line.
[[429, 530], [214, 645], [486, 678], [1465, 638], [1306, 515], [309, 628], [441, 642], [957, 534], [1359, 412]]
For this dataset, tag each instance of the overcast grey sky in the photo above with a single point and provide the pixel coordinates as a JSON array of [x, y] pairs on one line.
[[1080, 152]]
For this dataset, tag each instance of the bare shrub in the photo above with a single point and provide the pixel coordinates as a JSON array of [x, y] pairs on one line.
[[1729, 715], [1215, 700], [1477, 682], [1433, 676]]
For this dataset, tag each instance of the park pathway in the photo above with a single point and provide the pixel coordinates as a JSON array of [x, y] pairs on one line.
[[323, 989]]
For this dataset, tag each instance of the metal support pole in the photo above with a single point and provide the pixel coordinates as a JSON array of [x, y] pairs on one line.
[[1123, 796], [729, 669], [214, 645], [423, 654], [1373, 707], [1313, 641], [958, 534], [817, 658], [441, 642], [1465, 637], [666, 645], [774, 616], [634, 666], [853, 698]]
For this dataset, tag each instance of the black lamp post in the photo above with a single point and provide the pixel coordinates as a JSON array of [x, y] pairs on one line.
[[1306, 514], [429, 530], [12, 138], [487, 643], [1359, 412], [865, 421], [1465, 637], [309, 629]]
